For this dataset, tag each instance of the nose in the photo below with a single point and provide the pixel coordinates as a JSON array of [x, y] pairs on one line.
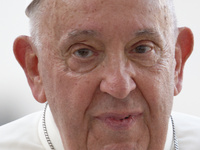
[[118, 80]]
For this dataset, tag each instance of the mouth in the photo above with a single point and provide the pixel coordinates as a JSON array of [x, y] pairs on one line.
[[119, 121]]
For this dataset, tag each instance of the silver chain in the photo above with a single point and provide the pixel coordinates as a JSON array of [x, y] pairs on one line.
[[45, 128], [176, 147]]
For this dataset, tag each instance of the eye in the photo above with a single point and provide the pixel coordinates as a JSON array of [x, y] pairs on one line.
[[145, 53], [83, 53], [142, 49]]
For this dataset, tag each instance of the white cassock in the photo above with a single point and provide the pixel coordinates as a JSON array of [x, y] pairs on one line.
[[27, 133]]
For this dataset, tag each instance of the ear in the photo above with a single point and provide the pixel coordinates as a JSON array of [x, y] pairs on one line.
[[25, 54], [184, 47]]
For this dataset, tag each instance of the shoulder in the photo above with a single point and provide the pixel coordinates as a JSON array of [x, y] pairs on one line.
[[21, 134], [188, 131]]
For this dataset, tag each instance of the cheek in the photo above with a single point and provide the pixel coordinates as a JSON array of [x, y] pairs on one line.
[[157, 87], [69, 90]]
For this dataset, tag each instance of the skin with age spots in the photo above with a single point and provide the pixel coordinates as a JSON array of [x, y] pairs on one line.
[[108, 69]]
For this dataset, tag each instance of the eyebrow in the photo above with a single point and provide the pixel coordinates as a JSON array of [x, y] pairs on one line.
[[150, 33], [147, 32], [77, 33]]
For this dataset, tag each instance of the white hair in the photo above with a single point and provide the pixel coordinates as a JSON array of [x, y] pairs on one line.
[[32, 13], [32, 7]]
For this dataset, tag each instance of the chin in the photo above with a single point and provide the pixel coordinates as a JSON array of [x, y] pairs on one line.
[[116, 146], [120, 146]]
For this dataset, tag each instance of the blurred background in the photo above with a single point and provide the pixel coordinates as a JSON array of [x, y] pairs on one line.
[[16, 99]]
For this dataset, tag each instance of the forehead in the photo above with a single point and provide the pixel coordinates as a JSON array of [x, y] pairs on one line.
[[62, 15], [91, 6]]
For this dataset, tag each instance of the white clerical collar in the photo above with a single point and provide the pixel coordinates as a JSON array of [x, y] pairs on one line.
[[55, 138]]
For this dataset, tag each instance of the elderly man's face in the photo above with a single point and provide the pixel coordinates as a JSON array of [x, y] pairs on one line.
[[107, 69]]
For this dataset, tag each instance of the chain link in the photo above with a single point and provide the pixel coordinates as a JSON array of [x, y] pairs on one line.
[[176, 147], [45, 128]]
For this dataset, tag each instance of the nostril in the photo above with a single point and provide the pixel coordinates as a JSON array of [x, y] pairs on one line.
[[127, 117]]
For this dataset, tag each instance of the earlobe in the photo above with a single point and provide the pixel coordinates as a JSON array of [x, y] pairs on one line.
[[27, 58], [184, 47]]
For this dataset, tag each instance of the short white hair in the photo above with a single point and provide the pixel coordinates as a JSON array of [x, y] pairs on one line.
[[32, 7], [31, 12]]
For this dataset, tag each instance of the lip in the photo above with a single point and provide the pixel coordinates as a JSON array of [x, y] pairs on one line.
[[118, 121]]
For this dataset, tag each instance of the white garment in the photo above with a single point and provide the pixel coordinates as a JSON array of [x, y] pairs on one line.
[[27, 133], [188, 131]]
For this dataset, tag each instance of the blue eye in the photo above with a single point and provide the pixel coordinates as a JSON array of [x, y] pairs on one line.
[[83, 53], [142, 49]]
